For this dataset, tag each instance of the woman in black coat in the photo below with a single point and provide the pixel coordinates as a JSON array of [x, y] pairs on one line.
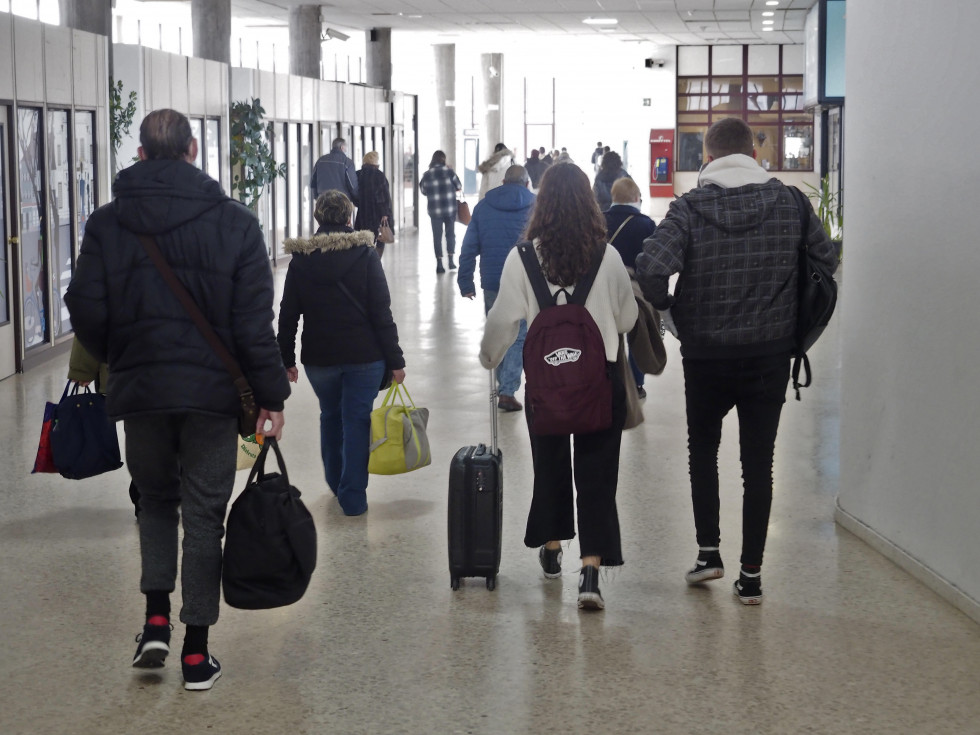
[[374, 194], [610, 171], [336, 283]]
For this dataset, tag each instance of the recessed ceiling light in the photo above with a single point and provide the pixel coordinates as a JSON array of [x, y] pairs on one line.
[[767, 22], [772, 2], [768, 14], [600, 21], [767, 28]]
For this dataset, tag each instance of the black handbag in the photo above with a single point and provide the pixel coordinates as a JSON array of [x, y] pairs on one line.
[[817, 297], [83, 439], [270, 540]]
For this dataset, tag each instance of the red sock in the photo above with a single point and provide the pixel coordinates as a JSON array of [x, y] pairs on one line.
[[194, 659], [157, 620]]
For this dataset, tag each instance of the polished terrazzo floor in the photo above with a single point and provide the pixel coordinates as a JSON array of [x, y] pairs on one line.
[[846, 642]]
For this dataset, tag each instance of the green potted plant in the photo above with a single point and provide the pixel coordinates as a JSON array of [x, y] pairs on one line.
[[829, 208], [120, 115], [253, 166]]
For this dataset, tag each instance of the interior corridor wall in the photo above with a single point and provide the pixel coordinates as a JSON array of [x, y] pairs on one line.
[[910, 351]]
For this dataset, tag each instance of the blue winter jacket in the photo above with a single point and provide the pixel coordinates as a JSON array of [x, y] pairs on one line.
[[496, 226]]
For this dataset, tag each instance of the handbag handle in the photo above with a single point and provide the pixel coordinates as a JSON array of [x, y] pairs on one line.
[[395, 391], [194, 311], [259, 466]]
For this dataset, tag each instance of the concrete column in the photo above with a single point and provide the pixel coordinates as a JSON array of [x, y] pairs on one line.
[[492, 74], [211, 23], [304, 41], [446, 99], [93, 16], [378, 59]]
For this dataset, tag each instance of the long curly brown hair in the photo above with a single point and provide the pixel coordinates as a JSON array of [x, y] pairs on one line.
[[567, 223]]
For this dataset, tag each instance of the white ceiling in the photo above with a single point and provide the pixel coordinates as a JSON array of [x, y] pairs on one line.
[[662, 22]]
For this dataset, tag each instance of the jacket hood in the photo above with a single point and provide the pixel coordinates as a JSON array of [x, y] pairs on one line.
[[494, 160], [733, 171], [509, 197], [609, 176], [153, 197], [736, 209], [329, 241]]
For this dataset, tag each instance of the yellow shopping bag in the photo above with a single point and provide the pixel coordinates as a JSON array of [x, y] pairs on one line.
[[398, 440]]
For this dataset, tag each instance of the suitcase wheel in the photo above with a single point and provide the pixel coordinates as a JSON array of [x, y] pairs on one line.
[[454, 583], [492, 582]]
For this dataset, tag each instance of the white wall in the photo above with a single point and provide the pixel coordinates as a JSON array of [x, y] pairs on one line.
[[910, 465]]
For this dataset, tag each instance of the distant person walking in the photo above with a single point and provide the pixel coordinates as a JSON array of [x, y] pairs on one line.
[[335, 171], [439, 184], [492, 170], [597, 155], [610, 171], [375, 194]]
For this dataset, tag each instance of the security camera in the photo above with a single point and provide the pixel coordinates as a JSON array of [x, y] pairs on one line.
[[650, 63]]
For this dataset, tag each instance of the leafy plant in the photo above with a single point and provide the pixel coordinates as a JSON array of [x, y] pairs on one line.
[[251, 158], [120, 117], [829, 207]]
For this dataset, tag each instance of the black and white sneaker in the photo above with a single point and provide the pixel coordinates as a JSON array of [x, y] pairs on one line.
[[589, 597], [550, 560], [748, 588], [200, 675], [708, 566], [154, 645]]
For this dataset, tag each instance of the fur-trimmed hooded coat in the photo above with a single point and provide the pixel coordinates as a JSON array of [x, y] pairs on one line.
[[335, 330], [493, 170]]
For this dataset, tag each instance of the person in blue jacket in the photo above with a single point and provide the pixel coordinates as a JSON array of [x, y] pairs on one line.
[[496, 226]]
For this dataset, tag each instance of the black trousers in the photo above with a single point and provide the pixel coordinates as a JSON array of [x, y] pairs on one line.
[[756, 388], [449, 224], [595, 466]]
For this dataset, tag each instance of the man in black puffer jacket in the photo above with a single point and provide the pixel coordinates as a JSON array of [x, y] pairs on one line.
[[174, 394]]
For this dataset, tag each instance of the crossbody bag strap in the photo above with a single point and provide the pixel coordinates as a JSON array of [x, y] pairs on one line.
[[533, 268], [347, 292], [194, 311], [620, 228]]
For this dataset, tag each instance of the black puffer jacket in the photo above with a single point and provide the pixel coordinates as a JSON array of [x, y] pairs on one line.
[[124, 313], [375, 200], [335, 332]]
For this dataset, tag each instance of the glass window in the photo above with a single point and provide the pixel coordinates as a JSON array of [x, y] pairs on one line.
[[84, 172], [694, 102], [764, 59], [281, 188], [197, 128], [4, 252], [726, 59], [292, 180], [212, 135], [693, 85], [59, 212], [692, 61], [690, 147], [30, 169], [305, 167]]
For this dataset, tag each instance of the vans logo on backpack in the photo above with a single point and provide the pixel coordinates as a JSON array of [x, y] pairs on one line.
[[563, 356]]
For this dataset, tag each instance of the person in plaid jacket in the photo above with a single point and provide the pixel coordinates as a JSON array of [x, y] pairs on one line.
[[440, 184]]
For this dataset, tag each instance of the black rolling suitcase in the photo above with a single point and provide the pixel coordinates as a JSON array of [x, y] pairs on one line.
[[476, 507]]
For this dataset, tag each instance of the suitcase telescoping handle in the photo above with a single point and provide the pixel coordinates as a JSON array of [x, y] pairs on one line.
[[493, 412]]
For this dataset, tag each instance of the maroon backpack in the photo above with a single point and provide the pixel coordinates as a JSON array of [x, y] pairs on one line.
[[568, 386]]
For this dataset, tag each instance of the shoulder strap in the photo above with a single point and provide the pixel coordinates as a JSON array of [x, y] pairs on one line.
[[346, 291], [584, 285], [538, 283], [801, 205], [620, 228], [231, 365]]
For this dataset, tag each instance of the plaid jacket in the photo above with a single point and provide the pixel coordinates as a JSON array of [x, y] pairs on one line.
[[737, 253], [440, 184]]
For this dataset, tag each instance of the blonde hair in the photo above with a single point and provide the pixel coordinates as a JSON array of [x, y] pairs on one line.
[[370, 159], [625, 191]]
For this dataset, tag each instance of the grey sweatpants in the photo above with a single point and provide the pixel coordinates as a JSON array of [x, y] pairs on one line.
[[183, 462]]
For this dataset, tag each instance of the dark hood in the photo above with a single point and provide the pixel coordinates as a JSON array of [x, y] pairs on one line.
[[610, 175], [153, 197], [737, 209], [509, 197]]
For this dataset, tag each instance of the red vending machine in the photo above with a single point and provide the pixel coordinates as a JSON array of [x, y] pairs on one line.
[[662, 163]]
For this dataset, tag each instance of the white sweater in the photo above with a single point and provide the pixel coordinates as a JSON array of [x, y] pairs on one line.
[[611, 303]]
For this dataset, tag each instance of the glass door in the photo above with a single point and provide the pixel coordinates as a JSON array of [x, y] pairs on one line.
[[60, 216], [8, 339], [33, 256]]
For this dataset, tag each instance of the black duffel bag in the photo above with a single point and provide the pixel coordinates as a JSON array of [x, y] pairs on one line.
[[270, 541]]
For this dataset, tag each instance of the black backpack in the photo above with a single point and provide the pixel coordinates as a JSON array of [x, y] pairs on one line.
[[270, 542], [568, 383], [817, 297]]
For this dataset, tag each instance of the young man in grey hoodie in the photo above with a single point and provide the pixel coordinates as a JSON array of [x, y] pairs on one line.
[[734, 242]]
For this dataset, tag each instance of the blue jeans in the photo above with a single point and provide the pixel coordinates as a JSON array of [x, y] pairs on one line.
[[437, 226], [510, 368], [346, 394]]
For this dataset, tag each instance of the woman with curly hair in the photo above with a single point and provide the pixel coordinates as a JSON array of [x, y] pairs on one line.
[[568, 234]]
